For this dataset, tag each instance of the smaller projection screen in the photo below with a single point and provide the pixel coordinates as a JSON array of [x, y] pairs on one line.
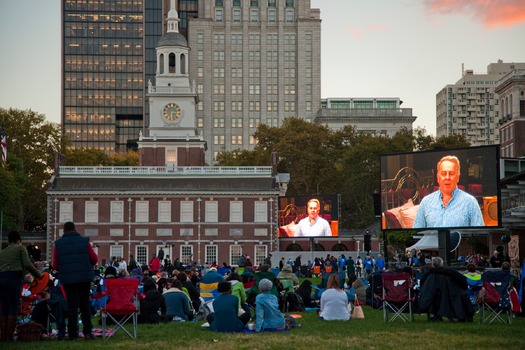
[[294, 209], [463, 192]]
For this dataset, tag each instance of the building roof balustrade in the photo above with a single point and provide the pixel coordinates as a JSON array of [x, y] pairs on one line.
[[68, 171], [171, 90]]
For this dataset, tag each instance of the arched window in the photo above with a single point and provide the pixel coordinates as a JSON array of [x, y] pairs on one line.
[[510, 106], [339, 247], [172, 63], [182, 64], [294, 247], [318, 247], [161, 63]]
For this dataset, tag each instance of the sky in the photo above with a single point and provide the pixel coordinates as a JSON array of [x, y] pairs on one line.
[[409, 49]]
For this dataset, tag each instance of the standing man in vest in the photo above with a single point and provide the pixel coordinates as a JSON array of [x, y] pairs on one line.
[[74, 259]]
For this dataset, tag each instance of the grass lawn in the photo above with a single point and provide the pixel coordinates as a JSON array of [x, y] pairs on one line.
[[368, 333]]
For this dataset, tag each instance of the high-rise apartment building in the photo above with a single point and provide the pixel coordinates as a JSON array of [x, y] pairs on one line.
[[511, 92], [470, 107], [254, 61]]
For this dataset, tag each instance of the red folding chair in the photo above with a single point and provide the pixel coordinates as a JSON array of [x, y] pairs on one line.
[[397, 296], [495, 285], [122, 304]]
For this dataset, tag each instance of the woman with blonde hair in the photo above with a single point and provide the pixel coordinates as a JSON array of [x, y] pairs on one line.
[[334, 301]]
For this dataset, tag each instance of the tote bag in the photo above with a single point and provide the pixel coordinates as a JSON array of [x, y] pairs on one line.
[[357, 312]]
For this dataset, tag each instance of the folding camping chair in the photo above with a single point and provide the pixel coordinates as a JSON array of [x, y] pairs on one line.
[[473, 288], [495, 285], [209, 291], [122, 304], [377, 289], [397, 296], [288, 287], [316, 270]]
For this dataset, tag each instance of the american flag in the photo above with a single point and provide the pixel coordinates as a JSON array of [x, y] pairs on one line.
[[4, 143]]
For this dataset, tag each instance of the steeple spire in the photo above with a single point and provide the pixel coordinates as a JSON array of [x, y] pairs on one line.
[[173, 18]]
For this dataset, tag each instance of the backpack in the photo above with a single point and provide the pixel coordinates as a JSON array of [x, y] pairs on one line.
[[295, 302]]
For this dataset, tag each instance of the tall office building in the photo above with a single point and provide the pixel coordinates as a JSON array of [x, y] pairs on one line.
[[108, 53], [102, 72], [470, 107], [254, 61]]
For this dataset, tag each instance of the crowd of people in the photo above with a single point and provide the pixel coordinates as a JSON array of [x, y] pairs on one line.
[[255, 300]]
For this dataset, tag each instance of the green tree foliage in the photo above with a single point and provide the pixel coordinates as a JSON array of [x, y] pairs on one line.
[[95, 157], [9, 195], [400, 239], [241, 158], [129, 158], [31, 145], [85, 157], [452, 141]]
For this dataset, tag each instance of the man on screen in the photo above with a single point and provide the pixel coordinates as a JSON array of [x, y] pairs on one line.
[[313, 225], [450, 206]]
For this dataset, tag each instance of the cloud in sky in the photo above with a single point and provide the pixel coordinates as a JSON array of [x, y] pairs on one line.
[[491, 13], [360, 33]]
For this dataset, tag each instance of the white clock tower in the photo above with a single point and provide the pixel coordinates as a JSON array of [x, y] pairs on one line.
[[172, 131]]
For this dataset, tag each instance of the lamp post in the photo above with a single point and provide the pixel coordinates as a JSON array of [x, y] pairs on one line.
[[199, 200], [271, 223], [48, 253], [129, 225]]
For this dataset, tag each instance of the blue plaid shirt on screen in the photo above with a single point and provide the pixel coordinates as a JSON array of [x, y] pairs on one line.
[[462, 211]]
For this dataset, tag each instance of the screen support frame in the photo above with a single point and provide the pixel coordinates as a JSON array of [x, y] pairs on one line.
[[443, 244]]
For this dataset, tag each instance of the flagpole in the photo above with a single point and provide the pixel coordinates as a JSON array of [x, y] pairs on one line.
[[1, 227]]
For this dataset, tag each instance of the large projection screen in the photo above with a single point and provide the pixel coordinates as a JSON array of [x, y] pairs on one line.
[[407, 178]]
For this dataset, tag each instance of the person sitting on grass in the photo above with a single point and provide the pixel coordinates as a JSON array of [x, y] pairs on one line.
[[334, 301], [225, 317], [153, 306], [359, 287], [287, 272], [305, 292], [238, 290], [177, 303], [268, 316]]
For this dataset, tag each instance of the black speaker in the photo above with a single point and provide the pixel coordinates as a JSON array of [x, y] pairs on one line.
[[368, 243], [377, 203], [444, 246]]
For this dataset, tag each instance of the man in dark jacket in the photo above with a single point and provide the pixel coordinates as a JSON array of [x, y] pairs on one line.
[[74, 259]]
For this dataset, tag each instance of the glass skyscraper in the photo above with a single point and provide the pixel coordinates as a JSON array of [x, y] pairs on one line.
[[103, 71]]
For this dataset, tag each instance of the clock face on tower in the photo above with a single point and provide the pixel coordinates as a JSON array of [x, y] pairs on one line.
[[171, 112]]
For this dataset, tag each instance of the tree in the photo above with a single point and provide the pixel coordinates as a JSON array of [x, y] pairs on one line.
[[31, 143], [304, 152], [9, 195], [400, 239], [85, 157], [129, 158], [451, 141], [96, 157]]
